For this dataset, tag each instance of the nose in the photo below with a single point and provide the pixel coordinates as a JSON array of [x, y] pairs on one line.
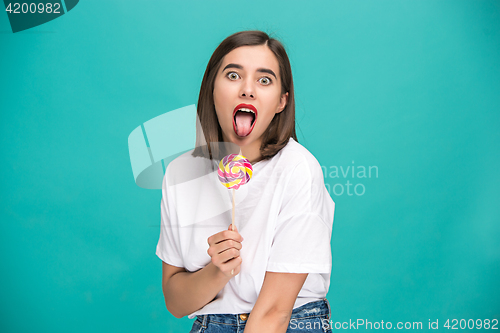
[[247, 89]]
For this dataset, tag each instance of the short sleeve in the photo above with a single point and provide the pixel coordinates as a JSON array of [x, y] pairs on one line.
[[168, 248], [301, 243]]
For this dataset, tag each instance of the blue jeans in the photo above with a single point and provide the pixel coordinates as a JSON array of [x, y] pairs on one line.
[[310, 317]]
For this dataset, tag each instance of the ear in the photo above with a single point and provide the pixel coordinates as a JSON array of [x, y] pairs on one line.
[[283, 101]]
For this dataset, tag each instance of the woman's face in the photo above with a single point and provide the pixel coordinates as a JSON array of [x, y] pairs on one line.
[[248, 78]]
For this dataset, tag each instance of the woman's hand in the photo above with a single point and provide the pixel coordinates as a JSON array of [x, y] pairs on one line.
[[225, 251]]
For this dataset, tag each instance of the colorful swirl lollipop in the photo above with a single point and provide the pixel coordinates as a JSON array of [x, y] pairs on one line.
[[234, 171]]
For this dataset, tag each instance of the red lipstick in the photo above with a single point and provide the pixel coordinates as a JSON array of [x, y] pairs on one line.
[[245, 106]]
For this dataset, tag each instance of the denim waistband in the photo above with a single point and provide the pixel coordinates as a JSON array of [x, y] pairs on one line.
[[308, 310]]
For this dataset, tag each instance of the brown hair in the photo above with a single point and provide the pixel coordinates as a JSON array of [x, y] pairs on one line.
[[281, 128]]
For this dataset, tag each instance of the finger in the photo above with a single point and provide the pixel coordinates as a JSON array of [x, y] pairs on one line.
[[225, 256], [216, 249], [233, 265], [229, 254], [235, 230], [228, 244], [224, 235]]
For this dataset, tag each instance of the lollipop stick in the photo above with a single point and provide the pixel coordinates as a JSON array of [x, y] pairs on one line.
[[232, 224], [232, 220]]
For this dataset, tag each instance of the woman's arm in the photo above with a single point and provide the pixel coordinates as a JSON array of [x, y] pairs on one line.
[[187, 292], [274, 306]]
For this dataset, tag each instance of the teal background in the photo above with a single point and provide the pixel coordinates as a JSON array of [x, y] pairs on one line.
[[412, 87]]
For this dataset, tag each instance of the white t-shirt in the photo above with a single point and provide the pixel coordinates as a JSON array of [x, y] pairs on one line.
[[284, 213]]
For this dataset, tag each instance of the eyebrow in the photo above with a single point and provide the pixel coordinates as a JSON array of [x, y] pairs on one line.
[[262, 70]]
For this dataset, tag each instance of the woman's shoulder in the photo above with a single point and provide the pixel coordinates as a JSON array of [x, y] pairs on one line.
[[295, 154]]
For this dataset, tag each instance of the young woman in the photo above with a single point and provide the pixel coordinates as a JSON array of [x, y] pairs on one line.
[[272, 273]]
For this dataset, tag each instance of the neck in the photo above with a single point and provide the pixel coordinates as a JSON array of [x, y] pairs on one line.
[[252, 151]]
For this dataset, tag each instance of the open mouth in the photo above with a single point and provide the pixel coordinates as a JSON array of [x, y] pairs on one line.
[[244, 119]]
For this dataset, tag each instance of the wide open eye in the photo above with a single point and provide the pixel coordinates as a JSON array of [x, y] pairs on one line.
[[265, 81], [232, 75]]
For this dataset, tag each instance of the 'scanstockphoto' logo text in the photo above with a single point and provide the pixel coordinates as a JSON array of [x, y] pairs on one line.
[[358, 173]]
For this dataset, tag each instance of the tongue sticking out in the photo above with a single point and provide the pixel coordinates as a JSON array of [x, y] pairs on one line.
[[243, 122]]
